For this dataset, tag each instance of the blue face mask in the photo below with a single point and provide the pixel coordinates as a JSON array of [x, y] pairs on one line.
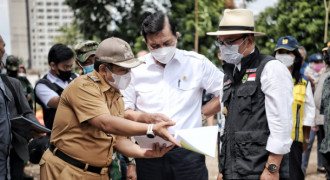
[[88, 69], [4, 71]]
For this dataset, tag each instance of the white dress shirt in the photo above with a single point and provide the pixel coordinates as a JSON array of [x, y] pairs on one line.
[[175, 90], [277, 85], [309, 107], [44, 93]]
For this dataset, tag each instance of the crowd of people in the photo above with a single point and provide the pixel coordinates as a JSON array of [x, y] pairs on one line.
[[272, 107]]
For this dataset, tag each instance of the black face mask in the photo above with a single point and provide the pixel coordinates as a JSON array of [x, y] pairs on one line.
[[12, 73], [64, 75]]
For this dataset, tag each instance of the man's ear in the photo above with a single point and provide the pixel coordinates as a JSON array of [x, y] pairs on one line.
[[177, 35], [52, 66], [144, 40], [102, 68], [250, 40]]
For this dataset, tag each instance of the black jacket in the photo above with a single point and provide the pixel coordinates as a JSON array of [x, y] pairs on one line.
[[19, 143]]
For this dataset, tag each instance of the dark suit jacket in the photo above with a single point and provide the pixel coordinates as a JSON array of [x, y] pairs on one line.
[[20, 144]]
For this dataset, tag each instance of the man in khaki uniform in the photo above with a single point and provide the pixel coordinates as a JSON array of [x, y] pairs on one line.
[[89, 120]]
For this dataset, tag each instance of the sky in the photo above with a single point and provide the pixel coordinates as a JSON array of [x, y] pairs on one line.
[[4, 24], [256, 6]]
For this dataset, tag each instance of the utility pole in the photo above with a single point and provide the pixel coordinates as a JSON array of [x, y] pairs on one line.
[[196, 26], [326, 6]]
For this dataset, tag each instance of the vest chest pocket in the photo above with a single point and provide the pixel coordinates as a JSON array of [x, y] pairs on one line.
[[244, 98]]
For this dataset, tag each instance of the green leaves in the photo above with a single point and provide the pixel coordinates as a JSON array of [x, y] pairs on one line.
[[103, 19], [302, 19]]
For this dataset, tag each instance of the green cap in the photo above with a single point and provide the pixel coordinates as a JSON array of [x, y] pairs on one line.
[[85, 49], [12, 63]]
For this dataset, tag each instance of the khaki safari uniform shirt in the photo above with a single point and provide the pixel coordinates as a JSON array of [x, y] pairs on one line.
[[84, 98]]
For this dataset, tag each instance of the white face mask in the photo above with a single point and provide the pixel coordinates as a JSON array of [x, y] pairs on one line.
[[230, 54], [286, 59], [121, 81], [21, 74], [164, 55]]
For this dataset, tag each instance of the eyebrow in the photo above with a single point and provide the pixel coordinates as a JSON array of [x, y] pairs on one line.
[[156, 44]]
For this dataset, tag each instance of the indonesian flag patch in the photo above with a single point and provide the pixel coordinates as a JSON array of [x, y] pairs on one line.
[[252, 77]]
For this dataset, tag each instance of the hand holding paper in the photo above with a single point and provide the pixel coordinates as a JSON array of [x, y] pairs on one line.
[[161, 129], [202, 140]]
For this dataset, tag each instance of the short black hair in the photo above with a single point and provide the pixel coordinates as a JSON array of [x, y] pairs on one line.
[[155, 23], [97, 64], [59, 53]]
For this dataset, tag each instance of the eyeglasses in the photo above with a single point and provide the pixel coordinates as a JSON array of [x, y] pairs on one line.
[[229, 43]]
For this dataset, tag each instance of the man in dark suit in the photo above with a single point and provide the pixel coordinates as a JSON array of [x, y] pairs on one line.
[[19, 152], [19, 145]]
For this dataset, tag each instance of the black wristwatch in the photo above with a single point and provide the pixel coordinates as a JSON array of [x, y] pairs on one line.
[[271, 167], [150, 133]]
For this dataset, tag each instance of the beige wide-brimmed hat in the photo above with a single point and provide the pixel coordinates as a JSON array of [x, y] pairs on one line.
[[236, 21]]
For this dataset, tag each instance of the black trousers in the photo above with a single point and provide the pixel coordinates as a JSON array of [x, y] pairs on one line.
[[326, 164], [16, 166], [295, 157], [177, 164]]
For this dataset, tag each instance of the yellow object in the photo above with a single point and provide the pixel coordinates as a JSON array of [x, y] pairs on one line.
[[299, 92]]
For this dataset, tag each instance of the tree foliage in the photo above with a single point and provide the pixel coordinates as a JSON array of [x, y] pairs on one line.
[[123, 19], [302, 19], [70, 35]]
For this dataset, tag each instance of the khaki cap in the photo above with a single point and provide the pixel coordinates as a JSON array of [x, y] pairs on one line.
[[116, 51]]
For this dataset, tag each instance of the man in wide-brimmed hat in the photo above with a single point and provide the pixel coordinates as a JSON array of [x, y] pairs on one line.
[[257, 97]]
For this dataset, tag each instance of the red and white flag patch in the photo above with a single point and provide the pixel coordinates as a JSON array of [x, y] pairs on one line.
[[252, 77]]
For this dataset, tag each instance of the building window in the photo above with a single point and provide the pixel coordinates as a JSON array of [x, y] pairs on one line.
[[40, 30], [49, 24], [41, 44], [40, 3], [57, 17], [49, 10], [40, 10], [49, 17], [56, 10], [41, 23], [55, 3], [48, 3]]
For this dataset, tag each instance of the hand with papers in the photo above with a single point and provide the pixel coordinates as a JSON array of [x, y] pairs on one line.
[[201, 140], [161, 129]]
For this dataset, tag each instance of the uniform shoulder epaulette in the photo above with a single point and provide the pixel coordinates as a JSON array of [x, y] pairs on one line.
[[93, 77]]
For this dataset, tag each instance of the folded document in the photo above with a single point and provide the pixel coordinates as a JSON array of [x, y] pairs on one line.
[[24, 126], [202, 140]]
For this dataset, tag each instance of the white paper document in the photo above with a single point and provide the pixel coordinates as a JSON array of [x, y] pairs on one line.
[[202, 140]]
